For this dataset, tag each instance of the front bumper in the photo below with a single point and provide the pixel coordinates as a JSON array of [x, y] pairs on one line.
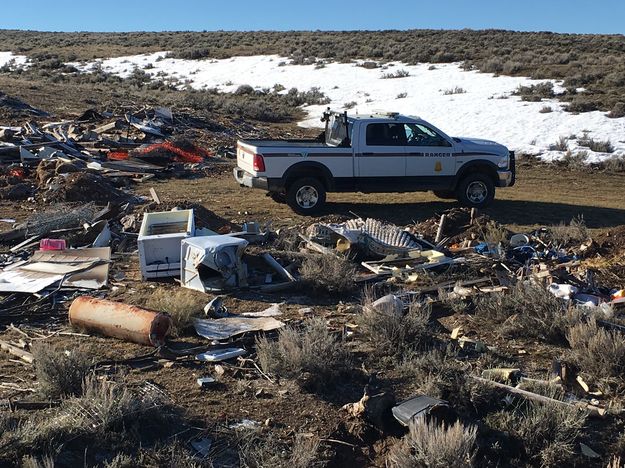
[[245, 179], [507, 178]]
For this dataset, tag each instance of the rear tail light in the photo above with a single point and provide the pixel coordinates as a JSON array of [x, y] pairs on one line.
[[259, 163]]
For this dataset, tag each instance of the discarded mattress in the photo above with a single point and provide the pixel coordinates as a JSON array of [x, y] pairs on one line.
[[213, 263]]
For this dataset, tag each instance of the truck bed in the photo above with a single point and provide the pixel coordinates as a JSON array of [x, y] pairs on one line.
[[286, 143]]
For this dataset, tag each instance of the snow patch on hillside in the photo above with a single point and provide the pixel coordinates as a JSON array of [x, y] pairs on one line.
[[486, 108], [13, 61]]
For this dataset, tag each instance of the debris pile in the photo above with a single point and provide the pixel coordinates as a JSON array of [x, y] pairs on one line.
[[108, 152]]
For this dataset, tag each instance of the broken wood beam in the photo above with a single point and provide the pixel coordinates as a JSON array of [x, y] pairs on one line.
[[16, 351], [593, 410], [441, 228]]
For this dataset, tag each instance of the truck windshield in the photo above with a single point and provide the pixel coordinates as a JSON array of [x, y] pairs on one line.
[[336, 132]]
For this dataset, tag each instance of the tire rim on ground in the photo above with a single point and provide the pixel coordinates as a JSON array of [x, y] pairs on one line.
[[477, 191], [307, 196]]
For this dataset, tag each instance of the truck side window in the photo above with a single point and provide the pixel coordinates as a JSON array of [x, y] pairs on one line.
[[420, 135], [386, 134]]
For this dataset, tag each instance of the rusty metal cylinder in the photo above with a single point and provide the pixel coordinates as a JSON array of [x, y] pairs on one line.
[[117, 320]]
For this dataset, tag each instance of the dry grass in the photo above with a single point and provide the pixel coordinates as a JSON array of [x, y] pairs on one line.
[[527, 311], [36, 462], [328, 273], [394, 334], [59, 373], [494, 233], [107, 414], [598, 352], [312, 355], [181, 303], [548, 432], [259, 450], [435, 446]]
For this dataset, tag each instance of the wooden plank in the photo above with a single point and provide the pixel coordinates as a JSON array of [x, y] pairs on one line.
[[15, 351], [155, 196]]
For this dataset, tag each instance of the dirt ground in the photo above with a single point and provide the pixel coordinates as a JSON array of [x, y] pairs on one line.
[[543, 195]]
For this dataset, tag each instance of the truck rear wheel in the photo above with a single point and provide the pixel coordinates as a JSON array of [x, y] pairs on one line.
[[306, 196], [278, 197], [445, 194], [476, 190]]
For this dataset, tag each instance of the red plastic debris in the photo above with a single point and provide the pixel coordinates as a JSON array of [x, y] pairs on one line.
[[194, 154], [118, 155], [52, 244], [17, 172]]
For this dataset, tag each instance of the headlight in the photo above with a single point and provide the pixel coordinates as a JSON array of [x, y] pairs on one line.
[[503, 162]]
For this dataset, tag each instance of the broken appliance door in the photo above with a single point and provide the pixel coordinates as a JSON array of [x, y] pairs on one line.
[[213, 263], [159, 242]]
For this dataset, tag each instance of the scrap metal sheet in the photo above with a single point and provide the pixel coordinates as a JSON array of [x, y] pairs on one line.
[[88, 268], [224, 328]]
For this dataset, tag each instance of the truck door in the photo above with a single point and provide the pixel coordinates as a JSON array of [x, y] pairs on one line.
[[428, 153], [381, 157]]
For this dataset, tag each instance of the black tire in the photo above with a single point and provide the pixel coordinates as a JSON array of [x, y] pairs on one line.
[[306, 196], [476, 190], [278, 197], [445, 194]]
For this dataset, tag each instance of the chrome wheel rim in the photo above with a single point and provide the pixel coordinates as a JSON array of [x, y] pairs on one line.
[[477, 191], [307, 196]]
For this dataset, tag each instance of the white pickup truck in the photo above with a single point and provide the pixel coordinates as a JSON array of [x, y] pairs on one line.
[[385, 152]]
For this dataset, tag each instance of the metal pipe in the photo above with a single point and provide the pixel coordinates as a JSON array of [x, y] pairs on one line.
[[122, 321]]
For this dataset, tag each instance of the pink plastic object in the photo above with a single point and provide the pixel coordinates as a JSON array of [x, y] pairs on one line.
[[52, 244]]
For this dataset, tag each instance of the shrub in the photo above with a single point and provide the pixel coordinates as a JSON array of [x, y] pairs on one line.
[[618, 111], [397, 74], [547, 432], [328, 273], [581, 104], [454, 90], [535, 92], [244, 89], [395, 333], [368, 65], [575, 160], [614, 164], [529, 311], [181, 303], [350, 105], [572, 233], [435, 446], [59, 373], [595, 145], [402, 95], [561, 145], [494, 233], [545, 110], [311, 354], [598, 352]]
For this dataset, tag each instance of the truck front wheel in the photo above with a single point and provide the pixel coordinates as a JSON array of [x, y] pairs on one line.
[[306, 196], [476, 190]]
